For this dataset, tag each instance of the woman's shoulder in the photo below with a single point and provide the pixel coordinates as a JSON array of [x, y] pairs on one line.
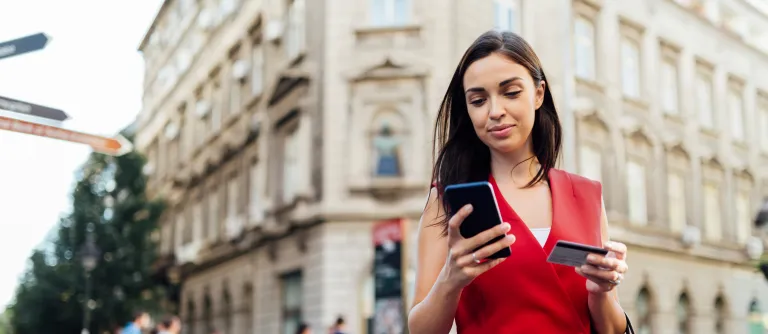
[[578, 181]]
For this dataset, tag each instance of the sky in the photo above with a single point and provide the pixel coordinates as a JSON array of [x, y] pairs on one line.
[[92, 70]]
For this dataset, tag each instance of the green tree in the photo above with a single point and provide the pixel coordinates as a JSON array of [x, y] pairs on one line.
[[109, 203]]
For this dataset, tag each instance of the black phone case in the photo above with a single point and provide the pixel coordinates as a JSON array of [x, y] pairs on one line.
[[485, 213]]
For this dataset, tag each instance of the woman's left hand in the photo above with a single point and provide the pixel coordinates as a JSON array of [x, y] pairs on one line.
[[604, 273]]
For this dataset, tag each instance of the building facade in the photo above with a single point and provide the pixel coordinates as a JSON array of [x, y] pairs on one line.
[[281, 131]]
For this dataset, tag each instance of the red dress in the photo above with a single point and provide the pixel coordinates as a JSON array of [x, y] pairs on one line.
[[525, 293]]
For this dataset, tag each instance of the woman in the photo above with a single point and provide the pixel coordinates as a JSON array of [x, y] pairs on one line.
[[498, 123]]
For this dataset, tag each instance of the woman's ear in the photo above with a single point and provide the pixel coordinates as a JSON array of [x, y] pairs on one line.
[[540, 92]]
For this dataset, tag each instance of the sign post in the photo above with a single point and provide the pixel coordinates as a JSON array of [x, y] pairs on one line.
[[32, 109], [23, 45], [389, 309], [111, 146]]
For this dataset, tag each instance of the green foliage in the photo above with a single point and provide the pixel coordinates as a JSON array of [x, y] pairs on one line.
[[108, 199]]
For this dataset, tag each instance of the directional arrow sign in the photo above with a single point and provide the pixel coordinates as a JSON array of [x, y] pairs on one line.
[[32, 109], [111, 146], [23, 45]]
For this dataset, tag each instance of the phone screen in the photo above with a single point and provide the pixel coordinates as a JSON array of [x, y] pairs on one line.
[[485, 213]]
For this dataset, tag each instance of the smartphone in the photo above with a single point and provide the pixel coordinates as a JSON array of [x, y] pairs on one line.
[[573, 254], [485, 213]]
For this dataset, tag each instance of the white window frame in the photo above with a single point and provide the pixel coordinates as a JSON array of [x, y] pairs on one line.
[[290, 164], [705, 107], [736, 114], [670, 87], [507, 15], [713, 211], [384, 13], [214, 216], [631, 73], [233, 196], [743, 216], [677, 201], [637, 193], [585, 48], [297, 27], [591, 162], [257, 69]]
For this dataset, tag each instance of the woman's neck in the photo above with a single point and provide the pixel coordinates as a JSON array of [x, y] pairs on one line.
[[519, 167]]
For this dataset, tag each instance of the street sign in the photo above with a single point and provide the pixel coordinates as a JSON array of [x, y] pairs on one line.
[[112, 146], [23, 45], [32, 109]]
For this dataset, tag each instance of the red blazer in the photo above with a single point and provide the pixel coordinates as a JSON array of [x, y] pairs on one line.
[[525, 293]]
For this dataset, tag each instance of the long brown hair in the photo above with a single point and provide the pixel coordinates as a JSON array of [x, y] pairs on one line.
[[460, 156]]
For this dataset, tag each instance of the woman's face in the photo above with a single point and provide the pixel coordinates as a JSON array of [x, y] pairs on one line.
[[502, 100]]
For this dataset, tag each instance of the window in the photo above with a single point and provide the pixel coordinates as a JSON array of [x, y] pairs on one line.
[[290, 165], [507, 15], [197, 218], [736, 115], [254, 191], [669, 88], [630, 68], [683, 314], [763, 126], [676, 202], [590, 163], [179, 230], [743, 219], [213, 215], [167, 238], [216, 107], [704, 103], [643, 306], [389, 12], [712, 214], [585, 48], [235, 99], [257, 66], [296, 38], [232, 197], [292, 298], [636, 188], [721, 314]]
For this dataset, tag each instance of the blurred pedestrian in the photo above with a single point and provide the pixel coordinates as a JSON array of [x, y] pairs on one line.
[[338, 326], [304, 329], [170, 325], [139, 323]]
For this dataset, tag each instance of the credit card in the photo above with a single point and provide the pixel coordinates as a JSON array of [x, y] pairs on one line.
[[573, 254]]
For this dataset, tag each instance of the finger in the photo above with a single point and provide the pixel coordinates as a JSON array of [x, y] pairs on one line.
[[483, 267], [617, 248], [597, 280], [456, 220], [486, 236], [605, 275], [606, 263], [482, 253]]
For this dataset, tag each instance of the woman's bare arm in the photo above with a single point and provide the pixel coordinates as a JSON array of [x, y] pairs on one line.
[[434, 305]]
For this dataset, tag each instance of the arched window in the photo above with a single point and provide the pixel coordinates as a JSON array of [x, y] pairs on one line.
[[721, 313], [248, 308], [190, 318], [226, 310], [643, 307], [207, 313], [387, 144], [683, 314]]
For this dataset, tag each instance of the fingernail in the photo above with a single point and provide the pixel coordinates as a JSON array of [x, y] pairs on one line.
[[584, 268], [591, 258], [505, 227], [510, 237], [608, 244], [468, 208]]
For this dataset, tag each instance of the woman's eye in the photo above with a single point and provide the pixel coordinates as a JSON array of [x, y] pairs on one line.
[[477, 102], [513, 94]]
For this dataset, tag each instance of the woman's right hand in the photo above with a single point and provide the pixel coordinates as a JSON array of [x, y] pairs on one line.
[[461, 266]]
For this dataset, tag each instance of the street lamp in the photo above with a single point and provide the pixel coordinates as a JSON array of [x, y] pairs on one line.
[[89, 255]]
